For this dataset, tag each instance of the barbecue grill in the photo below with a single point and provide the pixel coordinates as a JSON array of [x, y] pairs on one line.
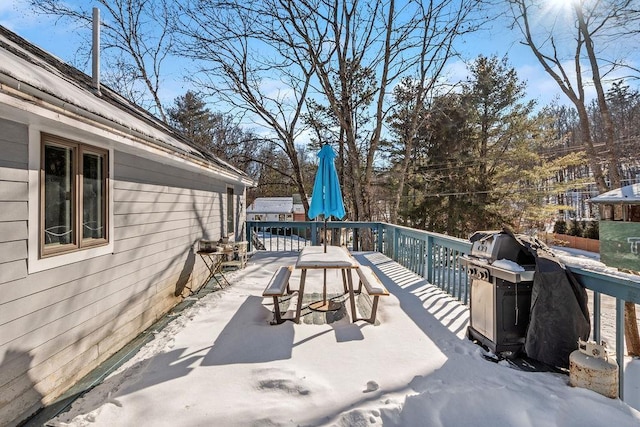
[[501, 273]]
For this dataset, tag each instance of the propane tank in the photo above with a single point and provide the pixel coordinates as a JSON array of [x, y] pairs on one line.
[[590, 367]]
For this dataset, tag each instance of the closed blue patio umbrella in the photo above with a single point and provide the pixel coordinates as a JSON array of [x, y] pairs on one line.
[[326, 200]]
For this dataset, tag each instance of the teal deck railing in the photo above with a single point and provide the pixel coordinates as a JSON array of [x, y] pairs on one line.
[[436, 257]]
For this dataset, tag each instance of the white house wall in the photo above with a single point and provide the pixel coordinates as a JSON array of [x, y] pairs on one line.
[[58, 324]]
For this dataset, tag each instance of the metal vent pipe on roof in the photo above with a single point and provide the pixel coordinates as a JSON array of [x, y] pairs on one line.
[[96, 50]]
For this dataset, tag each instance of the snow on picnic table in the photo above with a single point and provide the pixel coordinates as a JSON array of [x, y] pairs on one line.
[[221, 363]]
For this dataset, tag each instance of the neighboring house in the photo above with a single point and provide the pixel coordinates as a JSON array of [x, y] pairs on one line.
[[101, 205], [619, 227], [276, 209]]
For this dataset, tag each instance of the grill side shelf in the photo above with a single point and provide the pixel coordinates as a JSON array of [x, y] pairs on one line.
[[484, 271]]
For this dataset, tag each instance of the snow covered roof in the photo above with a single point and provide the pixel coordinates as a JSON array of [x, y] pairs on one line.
[[30, 70], [627, 194], [271, 205]]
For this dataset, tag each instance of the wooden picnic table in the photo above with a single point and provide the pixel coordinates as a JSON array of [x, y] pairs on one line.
[[335, 257]]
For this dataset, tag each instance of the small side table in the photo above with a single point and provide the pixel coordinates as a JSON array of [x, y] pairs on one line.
[[213, 260]]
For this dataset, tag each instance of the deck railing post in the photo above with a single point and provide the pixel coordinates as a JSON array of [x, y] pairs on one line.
[[314, 233], [429, 259], [596, 317], [422, 254], [247, 237], [620, 345], [396, 244]]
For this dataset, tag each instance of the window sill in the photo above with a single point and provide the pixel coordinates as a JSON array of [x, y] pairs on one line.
[[40, 264]]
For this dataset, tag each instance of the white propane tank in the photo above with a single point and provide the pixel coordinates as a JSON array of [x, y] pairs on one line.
[[590, 367]]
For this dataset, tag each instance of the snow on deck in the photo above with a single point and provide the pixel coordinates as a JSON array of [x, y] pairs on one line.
[[221, 363]]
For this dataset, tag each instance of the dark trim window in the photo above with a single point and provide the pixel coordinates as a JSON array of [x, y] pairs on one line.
[[73, 196], [230, 213]]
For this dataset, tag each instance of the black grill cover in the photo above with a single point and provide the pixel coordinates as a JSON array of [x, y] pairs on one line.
[[559, 312]]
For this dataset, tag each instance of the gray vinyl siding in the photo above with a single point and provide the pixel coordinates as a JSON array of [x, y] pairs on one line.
[[14, 362], [57, 325], [14, 194]]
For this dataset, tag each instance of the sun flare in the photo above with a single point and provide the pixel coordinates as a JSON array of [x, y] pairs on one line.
[[560, 9]]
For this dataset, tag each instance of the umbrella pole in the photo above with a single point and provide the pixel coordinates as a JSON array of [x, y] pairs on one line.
[[325, 234], [325, 305], [324, 287]]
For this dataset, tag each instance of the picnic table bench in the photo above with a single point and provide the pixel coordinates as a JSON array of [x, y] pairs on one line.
[[277, 288], [374, 288]]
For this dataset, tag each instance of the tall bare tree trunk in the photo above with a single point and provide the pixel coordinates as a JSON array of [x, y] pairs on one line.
[[631, 329], [614, 159], [592, 156]]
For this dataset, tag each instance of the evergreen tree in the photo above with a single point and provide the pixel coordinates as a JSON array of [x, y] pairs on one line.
[[217, 133], [480, 158], [560, 227], [191, 117], [444, 183], [576, 228], [592, 230], [500, 129]]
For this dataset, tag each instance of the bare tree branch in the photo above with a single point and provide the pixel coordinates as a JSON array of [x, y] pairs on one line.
[[137, 38], [521, 11]]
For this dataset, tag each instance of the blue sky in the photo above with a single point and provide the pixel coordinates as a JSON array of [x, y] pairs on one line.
[[61, 40]]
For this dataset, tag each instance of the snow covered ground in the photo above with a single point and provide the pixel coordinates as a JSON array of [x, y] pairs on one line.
[[220, 363]]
